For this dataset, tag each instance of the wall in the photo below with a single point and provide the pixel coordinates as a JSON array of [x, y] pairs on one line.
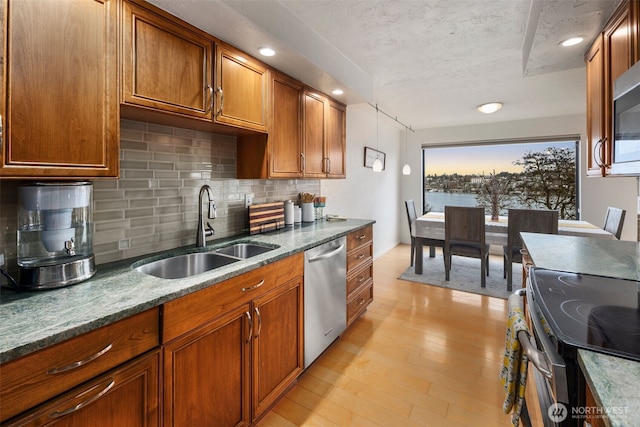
[[595, 193], [153, 206], [364, 193]]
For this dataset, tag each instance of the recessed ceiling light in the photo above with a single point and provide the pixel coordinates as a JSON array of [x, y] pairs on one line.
[[266, 51], [572, 41], [490, 107], [338, 92]]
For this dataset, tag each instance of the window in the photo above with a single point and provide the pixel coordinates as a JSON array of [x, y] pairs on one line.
[[537, 174]]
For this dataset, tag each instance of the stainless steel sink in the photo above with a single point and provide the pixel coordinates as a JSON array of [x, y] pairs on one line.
[[244, 250], [181, 266]]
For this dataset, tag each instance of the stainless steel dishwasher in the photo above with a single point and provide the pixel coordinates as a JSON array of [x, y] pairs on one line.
[[325, 297]]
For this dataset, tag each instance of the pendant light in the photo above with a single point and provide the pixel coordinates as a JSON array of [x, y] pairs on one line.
[[406, 169], [377, 163]]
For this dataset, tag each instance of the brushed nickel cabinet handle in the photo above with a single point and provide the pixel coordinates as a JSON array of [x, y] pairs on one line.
[[360, 256], [259, 317], [256, 286], [303, 161], [219, 89], [58, 414], [328, 165], [0, 131], [79, 363], [599, 159], [360, 279], [246, 313], [362, 236], [211, 95]]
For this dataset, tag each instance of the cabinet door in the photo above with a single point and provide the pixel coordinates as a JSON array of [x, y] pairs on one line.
[[241, 90], [314, 134], [127, 397], [206, 373], [60, 110], [285, 136], [166, 67], [596, 129], [278, 351], [335, 145], [618, 50]]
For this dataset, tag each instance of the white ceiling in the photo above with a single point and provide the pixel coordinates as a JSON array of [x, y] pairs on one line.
[[429, 63]]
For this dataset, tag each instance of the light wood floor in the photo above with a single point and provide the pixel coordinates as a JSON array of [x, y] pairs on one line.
[[419, 356]]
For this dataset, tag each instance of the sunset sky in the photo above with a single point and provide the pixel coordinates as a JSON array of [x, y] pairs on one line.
[[481, 158]]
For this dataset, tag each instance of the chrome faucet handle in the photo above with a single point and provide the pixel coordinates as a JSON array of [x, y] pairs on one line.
[[209, 231]]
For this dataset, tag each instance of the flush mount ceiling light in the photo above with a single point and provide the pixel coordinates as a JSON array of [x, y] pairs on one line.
[[490, 107], [266, 51], [572, 41], [338, 92]]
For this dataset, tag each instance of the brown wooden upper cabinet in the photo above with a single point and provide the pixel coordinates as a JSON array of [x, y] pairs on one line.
[[596, 128], [285, 134], [307, 136], [324, 136], [59, 117], [166, 67], [335, 145], [241, 90], [613, 52]]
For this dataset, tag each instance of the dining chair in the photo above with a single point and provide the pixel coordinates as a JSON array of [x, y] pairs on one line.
[[464, 236], [525, 220], [614, 220], [432, 243]]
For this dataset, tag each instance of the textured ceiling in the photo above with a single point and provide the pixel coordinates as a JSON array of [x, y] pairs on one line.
[[427, 62]]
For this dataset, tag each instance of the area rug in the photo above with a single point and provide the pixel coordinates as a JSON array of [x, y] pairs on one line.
[[465, 275]]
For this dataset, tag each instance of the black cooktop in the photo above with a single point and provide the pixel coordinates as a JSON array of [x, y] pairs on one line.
[[597, 313]]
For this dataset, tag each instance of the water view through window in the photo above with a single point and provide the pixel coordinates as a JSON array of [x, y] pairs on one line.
[[535, 175]]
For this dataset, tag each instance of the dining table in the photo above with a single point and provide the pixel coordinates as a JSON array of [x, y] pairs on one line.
[[430, 226]]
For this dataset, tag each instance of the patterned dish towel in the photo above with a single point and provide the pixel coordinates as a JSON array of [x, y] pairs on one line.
[[513, 374]]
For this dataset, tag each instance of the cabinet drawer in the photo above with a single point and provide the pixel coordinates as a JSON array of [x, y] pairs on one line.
[[357, 304], [34, 378], [359, 257], [359, 237], [190, 311], [359, 277], [127, 395]]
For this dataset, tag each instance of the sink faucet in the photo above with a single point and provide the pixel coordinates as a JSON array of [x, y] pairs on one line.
[[203, 232]]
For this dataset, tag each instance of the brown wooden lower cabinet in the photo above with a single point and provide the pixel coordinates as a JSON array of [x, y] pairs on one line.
[[229, 352], [207, 374], [126, 396], [593, 420], [228, 370], [359, 272]]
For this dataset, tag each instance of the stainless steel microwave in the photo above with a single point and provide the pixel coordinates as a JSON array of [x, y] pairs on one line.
[[626, 123]]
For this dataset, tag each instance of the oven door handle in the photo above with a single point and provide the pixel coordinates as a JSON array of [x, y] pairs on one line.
[[536, 356]]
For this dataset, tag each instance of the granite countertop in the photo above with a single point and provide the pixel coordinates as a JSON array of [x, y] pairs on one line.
[[584, 255], [35, 320], [614, 384]]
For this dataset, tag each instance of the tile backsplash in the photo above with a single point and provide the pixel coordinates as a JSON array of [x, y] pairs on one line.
[[154, 204]]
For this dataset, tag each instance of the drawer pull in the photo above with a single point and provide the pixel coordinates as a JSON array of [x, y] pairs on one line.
[[256, 286], [81, 405], [361, 301], [360, 279], [360, 256], [362, 236], [80, 362]]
